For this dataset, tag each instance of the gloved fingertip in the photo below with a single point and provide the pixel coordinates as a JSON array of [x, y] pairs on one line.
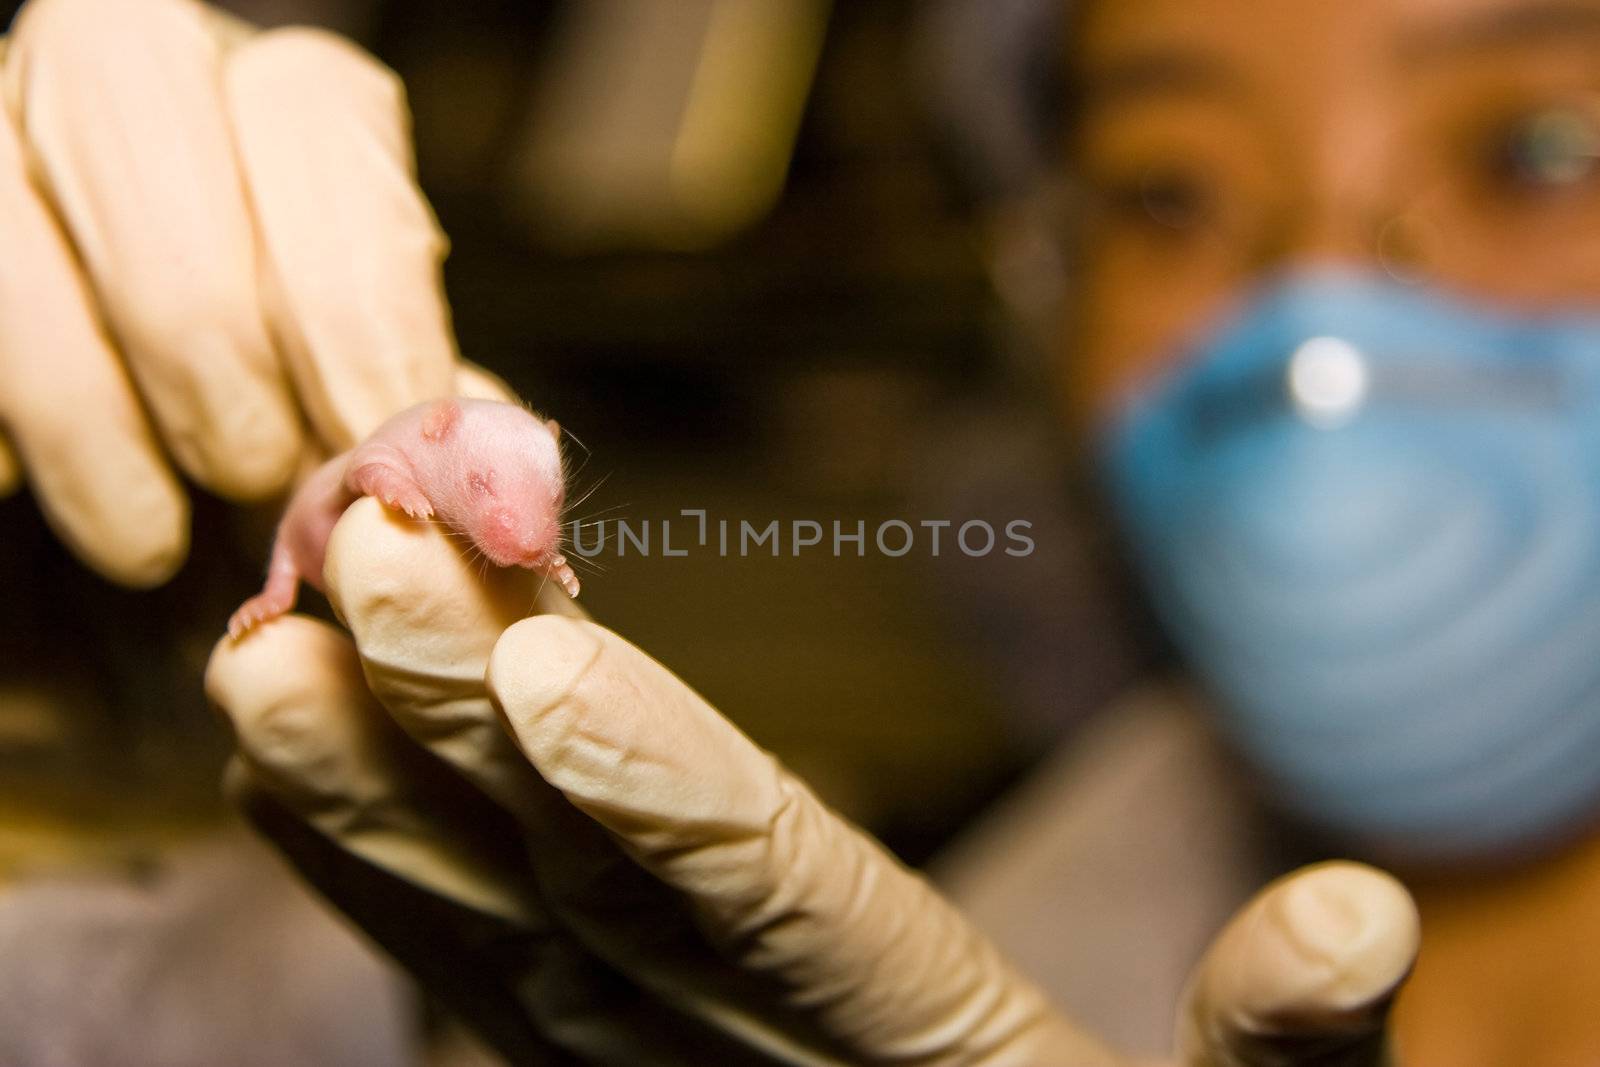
[[1325, 948], [138, 540], [242, 456], [371, 555], [233, 664], [147, 563], [1357, 918], [1306, 972], [265, 681], [475, 381], [289, 50], [535, 667]]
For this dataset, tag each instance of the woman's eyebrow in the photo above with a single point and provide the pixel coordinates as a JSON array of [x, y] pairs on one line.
[[1546, 22], [1156, 72]]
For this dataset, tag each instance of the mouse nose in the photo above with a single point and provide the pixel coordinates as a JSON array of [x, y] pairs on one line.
[[538, 544]]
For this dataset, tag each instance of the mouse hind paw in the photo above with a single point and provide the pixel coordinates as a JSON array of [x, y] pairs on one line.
[[283, 583], [275, 598], [263, 607]]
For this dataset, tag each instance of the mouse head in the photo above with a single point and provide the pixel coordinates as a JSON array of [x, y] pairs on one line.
[[498, 478]]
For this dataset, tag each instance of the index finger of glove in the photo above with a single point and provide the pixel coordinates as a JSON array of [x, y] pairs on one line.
[[119, 104], [352, 251], [784, 887], [424, 616], [67, 405]]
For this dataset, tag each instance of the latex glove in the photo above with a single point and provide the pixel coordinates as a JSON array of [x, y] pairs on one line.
[[213, 253], [582, 858]]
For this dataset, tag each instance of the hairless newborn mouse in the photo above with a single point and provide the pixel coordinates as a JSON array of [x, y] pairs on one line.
[[489, 471]]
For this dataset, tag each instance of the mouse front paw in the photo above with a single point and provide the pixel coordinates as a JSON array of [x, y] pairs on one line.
[[564, 576], [392, 489]]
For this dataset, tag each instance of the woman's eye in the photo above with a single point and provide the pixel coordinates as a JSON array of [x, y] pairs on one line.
[[1547, 151], [1165, 198], [1179, 201]]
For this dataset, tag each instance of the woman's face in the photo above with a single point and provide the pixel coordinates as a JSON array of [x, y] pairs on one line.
[[1454, 142]]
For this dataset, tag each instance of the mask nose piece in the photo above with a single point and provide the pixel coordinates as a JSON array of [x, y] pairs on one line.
[[1327, 381]]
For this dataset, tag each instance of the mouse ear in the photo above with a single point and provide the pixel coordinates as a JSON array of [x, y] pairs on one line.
[[439, 422], [554, 427]]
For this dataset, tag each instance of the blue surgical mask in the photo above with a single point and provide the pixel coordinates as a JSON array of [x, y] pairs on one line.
[[1370, 517]]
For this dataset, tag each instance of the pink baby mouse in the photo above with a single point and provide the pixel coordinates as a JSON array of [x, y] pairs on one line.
[[489, 471]]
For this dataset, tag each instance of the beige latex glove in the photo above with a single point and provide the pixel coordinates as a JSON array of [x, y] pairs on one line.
[[586, 861], [213, 254]]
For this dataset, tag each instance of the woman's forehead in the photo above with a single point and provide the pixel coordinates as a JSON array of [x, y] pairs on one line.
[[1402, 31], [1296, 61]]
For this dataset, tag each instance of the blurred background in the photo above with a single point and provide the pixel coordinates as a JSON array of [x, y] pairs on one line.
[[786, 260]]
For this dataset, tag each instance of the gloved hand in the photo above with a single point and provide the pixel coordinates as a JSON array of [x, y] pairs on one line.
[[213, 253], [576, 853]]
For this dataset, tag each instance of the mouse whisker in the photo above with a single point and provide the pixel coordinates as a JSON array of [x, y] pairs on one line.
[[570, 472], [587, 493], [476, 559], [570, 475], [575, 526], [475, 556], [591, 516], [577, 441], [537, 593]]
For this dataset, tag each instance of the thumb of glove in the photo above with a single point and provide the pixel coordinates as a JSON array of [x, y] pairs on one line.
[[1304, 974]]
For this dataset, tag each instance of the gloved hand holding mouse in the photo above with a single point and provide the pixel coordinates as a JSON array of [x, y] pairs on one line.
[[576, 853], [213, 256]]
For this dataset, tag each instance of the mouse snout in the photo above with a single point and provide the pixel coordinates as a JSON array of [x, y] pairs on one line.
[[500, 538], [538, 543], [513, 540]]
